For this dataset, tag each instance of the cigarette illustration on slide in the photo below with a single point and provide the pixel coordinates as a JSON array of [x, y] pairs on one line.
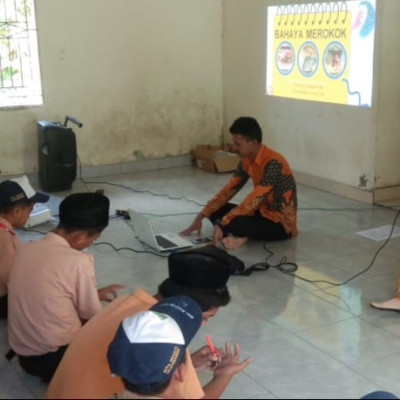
[[322, 51]]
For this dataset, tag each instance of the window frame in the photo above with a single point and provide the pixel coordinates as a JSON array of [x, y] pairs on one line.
[[20, 78]]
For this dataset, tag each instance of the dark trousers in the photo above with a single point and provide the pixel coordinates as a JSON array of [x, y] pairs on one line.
[[43, 366], [254, 227], [3, 307]]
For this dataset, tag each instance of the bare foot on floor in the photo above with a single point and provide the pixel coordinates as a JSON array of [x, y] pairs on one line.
[[392, 304], [232, 242]]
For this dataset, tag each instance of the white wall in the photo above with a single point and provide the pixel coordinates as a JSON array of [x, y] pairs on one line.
[[153, 78], [388, 141], [344, 144], [144, 76]]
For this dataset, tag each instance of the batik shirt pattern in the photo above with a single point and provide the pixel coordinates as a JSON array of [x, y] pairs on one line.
[[274, 194]]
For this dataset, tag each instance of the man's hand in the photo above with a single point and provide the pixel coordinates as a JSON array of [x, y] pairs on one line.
[[195, 226], [203, 358], [230, 364], [109, 293], [218, 235]]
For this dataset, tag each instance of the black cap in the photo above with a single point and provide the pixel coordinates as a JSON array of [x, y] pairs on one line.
[[198, 269], [85, 211], [15, 190]]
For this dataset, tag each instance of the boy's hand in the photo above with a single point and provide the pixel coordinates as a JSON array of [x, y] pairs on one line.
[[230, 364], [109, 293], [204, 359]]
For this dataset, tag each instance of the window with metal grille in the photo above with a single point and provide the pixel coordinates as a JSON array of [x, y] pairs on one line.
[[20, 83]]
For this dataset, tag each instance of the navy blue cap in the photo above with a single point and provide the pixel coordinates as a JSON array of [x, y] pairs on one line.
[[149, 346], [15, 190]]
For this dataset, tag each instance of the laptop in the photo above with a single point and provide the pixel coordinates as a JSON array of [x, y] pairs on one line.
[[160, 242]]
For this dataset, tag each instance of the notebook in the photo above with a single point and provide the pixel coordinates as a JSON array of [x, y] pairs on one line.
[[160, 242]]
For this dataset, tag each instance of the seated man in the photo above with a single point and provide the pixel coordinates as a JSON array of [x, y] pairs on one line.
[[269, 210], [52, 289], [84, 372], [148, 350], [17, 198]]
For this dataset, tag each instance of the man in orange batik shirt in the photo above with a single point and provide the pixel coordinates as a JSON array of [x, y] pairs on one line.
[[269, 211]]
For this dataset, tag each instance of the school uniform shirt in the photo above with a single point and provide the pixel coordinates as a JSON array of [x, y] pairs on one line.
[[8, 246], [274, 194], [84, 372], [51, 289]]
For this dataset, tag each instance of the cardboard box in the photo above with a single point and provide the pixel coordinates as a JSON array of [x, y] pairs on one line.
[[215, 158]]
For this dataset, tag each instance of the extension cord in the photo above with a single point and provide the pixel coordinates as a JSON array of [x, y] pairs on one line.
[[122, 212]]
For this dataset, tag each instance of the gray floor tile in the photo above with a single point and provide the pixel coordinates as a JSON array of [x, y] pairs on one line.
[[288, 361], [352, 341], [308, 340], [342, 384], [301, 311], [382, 371], [11, 386], [244, 388]]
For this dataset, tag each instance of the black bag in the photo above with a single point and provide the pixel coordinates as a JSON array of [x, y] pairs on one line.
[[235, 265]]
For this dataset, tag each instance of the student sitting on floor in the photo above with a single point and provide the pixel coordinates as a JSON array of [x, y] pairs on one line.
[[148, 352], [17, 198], [52, 289], [84, 372]]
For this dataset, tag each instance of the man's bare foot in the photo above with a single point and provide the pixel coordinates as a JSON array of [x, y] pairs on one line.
[[392, 305], [233, 242]]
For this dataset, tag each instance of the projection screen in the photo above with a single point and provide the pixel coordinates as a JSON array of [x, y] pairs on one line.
[[322, 51]]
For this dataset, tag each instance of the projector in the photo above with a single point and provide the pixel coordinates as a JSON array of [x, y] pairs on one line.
[[38, 215]]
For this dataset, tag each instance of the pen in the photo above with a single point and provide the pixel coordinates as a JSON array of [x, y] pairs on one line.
[[211, 345]]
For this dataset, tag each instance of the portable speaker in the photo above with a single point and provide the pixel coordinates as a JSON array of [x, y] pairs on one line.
[[57, 155]]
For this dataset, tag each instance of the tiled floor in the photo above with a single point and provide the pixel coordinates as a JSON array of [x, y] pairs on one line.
[[308, 340]]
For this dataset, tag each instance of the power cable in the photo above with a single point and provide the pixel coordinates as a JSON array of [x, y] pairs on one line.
[[289, 268]]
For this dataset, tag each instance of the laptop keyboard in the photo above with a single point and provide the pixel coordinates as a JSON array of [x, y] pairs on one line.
[[164, 243]]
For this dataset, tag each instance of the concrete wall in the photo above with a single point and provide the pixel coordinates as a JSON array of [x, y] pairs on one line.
[[144, 76]]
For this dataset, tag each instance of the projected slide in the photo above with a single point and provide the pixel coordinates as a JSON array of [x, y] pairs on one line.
[[322, 51]]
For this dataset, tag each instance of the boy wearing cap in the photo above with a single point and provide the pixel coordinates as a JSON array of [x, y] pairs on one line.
[[84, 372], [148, 349], [52, 289], [17, 198]]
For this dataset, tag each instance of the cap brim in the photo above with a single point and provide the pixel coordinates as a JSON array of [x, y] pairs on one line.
[[40, 198]]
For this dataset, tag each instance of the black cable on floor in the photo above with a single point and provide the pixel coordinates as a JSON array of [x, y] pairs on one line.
[[117, 249], [131, 189], [289, 268]]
